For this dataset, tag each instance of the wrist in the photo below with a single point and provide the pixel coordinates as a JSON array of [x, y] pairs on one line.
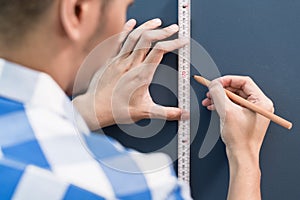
[[244, 160], [86, 107], [245, 175]]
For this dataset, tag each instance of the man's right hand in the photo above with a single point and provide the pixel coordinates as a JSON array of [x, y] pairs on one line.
[[242, 131]]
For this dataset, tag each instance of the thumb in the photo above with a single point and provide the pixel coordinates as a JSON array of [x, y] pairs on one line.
[[220, 100], [168, 113]]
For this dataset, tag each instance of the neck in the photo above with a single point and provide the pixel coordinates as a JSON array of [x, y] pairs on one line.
[[54, 58]]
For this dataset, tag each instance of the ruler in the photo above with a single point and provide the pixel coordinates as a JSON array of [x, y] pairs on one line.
[[184, 20]]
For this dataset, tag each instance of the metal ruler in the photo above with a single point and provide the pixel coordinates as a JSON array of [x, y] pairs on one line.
[[184, 20]]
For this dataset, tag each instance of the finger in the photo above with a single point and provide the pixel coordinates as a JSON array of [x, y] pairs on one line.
[[250, 89], [208, 95], [156, 54], [211, 107], [239, 92], [128, 27], [148, 37], [244, 83], [221, 101], [135, 35], [185, 115], [207, 102], [168, 113]]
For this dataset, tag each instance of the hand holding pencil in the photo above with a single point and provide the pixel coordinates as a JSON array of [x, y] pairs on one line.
[[244, 112], [242, 130], [240, 86]]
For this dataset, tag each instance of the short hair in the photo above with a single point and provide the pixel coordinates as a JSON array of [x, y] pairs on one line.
[[18, 17]]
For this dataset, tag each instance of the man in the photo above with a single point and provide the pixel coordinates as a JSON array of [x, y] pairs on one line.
[[42, 44]]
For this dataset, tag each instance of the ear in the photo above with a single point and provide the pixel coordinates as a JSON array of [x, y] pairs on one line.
[[78, 17]]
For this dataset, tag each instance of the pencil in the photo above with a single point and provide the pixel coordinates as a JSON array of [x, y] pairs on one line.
[[247, 104]]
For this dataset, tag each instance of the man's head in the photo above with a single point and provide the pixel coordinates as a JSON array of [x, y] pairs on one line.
[[54, 36]]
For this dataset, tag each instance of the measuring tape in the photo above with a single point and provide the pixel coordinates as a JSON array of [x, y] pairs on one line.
[[184, 20]]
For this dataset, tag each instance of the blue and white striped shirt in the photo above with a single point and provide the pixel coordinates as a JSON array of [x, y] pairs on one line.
[[47, 151]]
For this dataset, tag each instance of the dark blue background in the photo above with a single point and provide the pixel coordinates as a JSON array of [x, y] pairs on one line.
[[261, 39]]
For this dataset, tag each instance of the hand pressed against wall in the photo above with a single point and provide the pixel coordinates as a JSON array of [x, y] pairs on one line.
[[120, 92]]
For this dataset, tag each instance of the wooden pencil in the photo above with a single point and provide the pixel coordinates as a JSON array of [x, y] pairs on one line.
[[247, 104]]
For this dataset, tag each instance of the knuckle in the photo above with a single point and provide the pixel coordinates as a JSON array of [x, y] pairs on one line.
[[133, 37], [147, 36], [141, 76], [160, 47], [168, 31], [172, 115], [178, 43], [172, 29], [125, 53], [249, 79], [214, 86], [270, 105], [214, 82], [146, 114]]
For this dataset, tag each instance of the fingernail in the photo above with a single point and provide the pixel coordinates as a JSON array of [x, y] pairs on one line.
[[157, 21], [174, 27], [131, 22], [185, 40]]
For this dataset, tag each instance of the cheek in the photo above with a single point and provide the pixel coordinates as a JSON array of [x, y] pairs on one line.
[[116, 19]]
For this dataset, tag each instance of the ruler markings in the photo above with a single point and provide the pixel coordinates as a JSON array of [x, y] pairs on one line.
[[184, 18]]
